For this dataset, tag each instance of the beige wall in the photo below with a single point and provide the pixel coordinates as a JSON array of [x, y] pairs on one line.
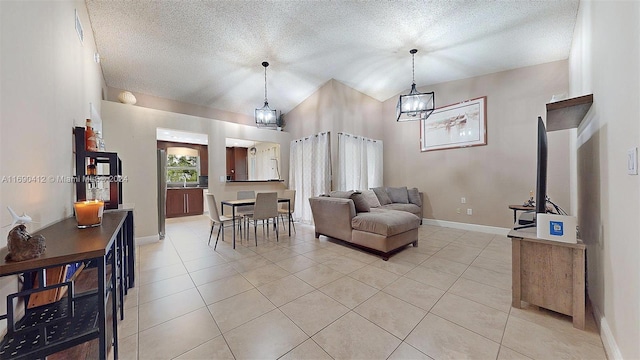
[[335, 107], [604, 61], [490, 177], [48, 80], [493, 176], [130, 130]]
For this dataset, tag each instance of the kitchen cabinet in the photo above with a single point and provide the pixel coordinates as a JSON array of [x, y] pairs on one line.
[[237, 167], [184, 202]]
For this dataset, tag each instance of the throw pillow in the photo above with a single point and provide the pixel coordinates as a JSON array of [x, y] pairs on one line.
[[414, 196], [398, 194], [371, 198], [360, 202], [382, 195], [341, 194]]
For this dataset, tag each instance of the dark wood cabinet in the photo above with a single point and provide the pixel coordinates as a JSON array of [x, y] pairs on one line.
[[175, 203], [195, 202], [184, 202], [231, 164], [237, 166]]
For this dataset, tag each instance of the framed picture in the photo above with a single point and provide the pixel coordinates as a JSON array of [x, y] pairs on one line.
[[454, 126]]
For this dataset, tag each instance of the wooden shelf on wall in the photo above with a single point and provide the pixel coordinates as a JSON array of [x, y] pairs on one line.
[[568, 114]]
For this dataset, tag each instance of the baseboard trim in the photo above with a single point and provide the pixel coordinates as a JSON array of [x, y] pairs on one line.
[[147, 239], [465, 226], [609, 342]]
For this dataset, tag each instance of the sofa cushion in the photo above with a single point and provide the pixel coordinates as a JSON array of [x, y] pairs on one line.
[[414, 196], [410, 208], [385, 223], [341, 194], [398, 194], [360, 202], [382, 195], [371, 198]]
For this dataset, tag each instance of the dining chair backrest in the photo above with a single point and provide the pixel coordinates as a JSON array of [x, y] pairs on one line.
[[291, 195], [266, 206], [245, 194], [214, 215]]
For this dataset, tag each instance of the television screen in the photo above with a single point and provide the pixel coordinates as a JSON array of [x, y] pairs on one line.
[[527, 219], [541, 178]]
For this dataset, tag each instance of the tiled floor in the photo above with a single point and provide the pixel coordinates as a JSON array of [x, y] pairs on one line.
[[307, 298]]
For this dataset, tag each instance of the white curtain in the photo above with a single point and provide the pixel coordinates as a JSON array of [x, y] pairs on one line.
[[359, 162], [309, 172]]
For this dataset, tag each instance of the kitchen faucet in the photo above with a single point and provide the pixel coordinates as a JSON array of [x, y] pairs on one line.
[[184, 179]]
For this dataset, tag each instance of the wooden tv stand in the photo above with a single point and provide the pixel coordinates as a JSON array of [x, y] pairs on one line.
[[549, 274]]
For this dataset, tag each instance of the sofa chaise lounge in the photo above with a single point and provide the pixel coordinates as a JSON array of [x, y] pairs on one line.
[[381, 228]]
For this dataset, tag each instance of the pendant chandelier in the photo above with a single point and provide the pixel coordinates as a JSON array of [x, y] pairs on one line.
[[415, 105], [265, 117]]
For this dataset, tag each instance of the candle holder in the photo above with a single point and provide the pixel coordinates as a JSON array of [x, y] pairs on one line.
[[89, 213]]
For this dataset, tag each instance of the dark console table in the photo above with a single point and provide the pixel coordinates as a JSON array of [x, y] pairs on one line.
[[76, 318]]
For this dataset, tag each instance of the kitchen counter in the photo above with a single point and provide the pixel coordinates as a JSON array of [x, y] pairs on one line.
[[253, 181]]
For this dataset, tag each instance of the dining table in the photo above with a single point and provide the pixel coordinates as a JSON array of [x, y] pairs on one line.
[[244, 202]]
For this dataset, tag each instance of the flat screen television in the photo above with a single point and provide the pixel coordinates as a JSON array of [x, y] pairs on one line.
[[541, 174], [541, 179]]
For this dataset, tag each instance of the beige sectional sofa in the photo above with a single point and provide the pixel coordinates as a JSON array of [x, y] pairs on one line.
[[369, 221]]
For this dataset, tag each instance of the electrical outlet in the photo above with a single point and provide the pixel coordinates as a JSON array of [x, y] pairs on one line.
[[457, 210], [463, 200], [469, 212]]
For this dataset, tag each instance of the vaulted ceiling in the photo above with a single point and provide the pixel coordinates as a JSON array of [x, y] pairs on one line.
[[210, 52]]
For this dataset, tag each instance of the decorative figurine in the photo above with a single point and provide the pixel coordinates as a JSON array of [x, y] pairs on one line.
[[24, 219], [23, 246]]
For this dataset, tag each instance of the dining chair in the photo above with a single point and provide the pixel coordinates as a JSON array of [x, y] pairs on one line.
[[266, 208], [284, 208], [246, 210], [216, 218]]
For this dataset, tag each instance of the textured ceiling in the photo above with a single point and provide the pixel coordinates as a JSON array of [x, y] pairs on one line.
[[209, 52]]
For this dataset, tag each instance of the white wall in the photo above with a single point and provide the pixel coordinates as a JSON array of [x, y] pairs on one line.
[[605, 61], [47, 80], [130, 131]]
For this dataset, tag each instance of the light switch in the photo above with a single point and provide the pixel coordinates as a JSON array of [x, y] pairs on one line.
[[632, 161]]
